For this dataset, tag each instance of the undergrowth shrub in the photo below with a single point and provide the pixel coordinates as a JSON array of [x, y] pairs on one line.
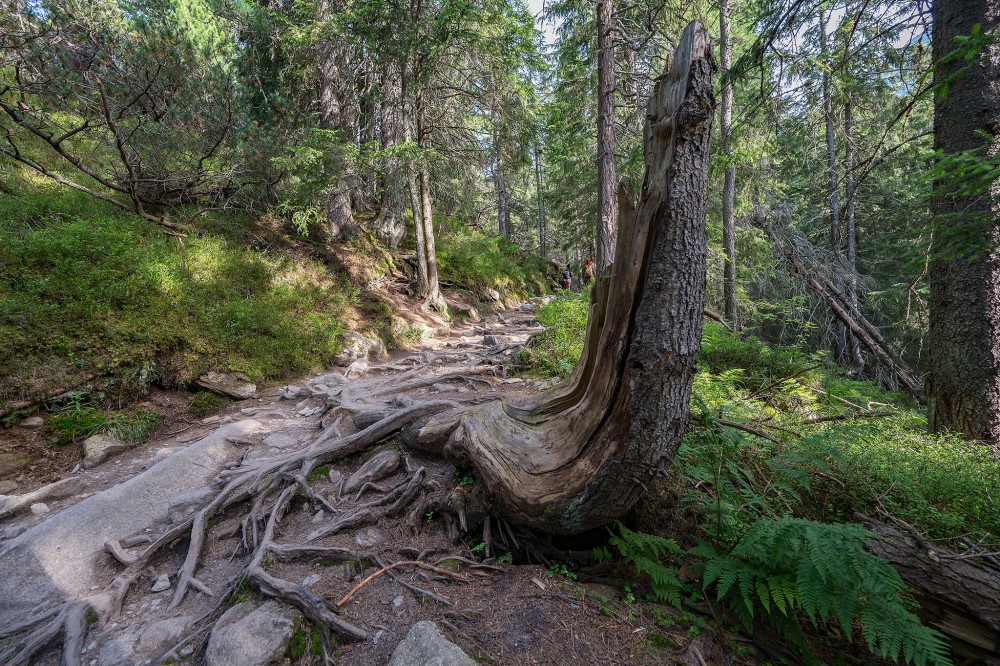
[[556, 350], [475, 260], [86, 290]]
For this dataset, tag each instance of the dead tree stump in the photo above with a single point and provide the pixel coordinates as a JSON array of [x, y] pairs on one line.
[[578, 456]]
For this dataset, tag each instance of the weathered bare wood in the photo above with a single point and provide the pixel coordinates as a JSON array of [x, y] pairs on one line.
[[872, 340], [580, 455], [957, 596]]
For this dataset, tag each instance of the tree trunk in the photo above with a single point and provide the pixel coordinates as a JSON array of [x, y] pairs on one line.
[[851, 241], [579, 455], [337, 112], [840, 331], [964, 335], [729, 186], [503, 209], [607, 180], [432, 297], [542, 250], [389, 224]]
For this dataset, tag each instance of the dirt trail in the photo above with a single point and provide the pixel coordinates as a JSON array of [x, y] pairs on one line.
[[301, 494]]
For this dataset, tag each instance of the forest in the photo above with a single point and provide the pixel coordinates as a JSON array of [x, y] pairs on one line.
[[499, 331]]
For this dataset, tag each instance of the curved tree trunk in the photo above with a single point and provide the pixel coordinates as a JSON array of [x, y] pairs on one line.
[[579, 455]]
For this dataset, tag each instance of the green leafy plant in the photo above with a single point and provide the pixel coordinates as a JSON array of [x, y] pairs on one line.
[[646, 552], [783, 566]]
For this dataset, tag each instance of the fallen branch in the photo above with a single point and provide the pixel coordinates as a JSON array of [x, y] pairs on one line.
[[416, 563]]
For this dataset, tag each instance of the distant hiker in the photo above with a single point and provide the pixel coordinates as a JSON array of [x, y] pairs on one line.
[[588, 272], [567, 278]]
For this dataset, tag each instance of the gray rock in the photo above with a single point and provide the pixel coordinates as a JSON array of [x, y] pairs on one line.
[[8, 486], [11, 464], [491, 294], [115, 653], [98, 448], [280, 440], [358, 346], [368, 537], [163, 634], [211, 420], [183, 505], [258, 639], [33, 422], [230, 384], [162, 583], [425, 646], [439, 387], [40, 508]]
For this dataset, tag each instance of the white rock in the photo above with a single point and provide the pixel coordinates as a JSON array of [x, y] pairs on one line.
[[98, 448], [40, 508], [424, 644], [258, 639], [162, 583], [33, 422]]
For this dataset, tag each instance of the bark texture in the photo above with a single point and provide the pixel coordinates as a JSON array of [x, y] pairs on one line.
[[338, 113], [729, 184], [958, 597], [607, 179], [578, 456], [964, 359]]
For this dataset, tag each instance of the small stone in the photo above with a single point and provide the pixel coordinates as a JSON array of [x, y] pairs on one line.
[[229, 384], [335, 476], [160, 635], [398, 601], [259, 638], [40, 508], [368, 537], [33, 422], [318, 518], [438, 387], [8, 486], [310, 580], [424, 644], [211, 420], [11, 464], [162, 583], [98, 448]]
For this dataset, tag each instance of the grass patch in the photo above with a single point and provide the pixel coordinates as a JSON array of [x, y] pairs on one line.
[[86, 290], [205, 403], [476, 260], [77, 421]]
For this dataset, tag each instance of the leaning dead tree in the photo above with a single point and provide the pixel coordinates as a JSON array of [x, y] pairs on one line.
[[579, 456], [843, 308], [568, 459]]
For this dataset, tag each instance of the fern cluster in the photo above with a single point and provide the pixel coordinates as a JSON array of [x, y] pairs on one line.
[[646, 552], [784, 566]]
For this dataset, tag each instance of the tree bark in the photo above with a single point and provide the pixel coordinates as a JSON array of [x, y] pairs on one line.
[[503, 208], [607, 179], [579, 455], [729, 184], [338, 113], [389, 224], [542, 250], [857, 362], [840, 331], [964, 335]]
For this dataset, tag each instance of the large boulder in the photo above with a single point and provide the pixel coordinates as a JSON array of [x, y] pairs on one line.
[[98, 448], [425, 646], [358, 346], [234, 385], [258, 638]]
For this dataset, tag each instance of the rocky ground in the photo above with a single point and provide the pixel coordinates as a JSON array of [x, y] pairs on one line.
[[207, 544]]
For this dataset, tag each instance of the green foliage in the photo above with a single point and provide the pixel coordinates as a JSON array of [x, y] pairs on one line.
[[473, 259], [77, 421], [782, 566], [84, 290], [206, 402], [306, 640], [645, 552], [556, 350]]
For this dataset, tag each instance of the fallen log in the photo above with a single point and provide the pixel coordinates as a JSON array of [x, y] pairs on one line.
[[860, 327], [579, 455], [958, 595]]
